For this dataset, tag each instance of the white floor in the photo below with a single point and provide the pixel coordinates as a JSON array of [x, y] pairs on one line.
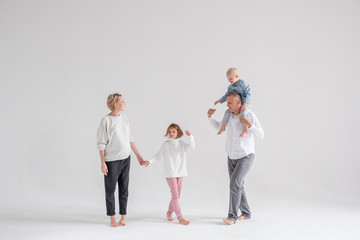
[[275, 221]]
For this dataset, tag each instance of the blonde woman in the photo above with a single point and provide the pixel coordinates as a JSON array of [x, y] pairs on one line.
[[115, 142]]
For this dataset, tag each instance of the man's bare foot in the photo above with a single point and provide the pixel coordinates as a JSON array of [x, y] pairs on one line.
[[241, 217], [228, 221], [169, 217], [113, 222], [123, 220], [222, 129], [184, 221]]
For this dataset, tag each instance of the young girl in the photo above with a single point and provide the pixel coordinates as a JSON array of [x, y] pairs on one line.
[[114, 142], [173, 152]]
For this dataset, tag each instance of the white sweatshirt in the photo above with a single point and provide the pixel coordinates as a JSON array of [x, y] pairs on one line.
[[173, 155], [114, 136]]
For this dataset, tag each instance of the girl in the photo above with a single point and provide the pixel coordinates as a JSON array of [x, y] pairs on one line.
[[173, 152]]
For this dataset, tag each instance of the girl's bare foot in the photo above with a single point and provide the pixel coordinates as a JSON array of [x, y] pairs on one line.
[[241, 217], [122, 220], [113, 222], [228, 221], [184, 221], [169, 217]]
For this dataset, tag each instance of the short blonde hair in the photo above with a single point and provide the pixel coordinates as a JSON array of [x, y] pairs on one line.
[[112, 99], [232, 70], [178, 129]]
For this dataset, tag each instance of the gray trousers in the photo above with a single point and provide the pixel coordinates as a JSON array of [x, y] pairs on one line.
[[227, 114], [118, 174], [238, 169]]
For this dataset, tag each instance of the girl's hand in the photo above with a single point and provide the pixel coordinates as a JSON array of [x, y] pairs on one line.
[[104, 169], [145, 163], [216, 102], [188, 132]]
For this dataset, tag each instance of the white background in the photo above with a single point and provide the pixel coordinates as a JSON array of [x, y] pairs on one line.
[[59, 60]]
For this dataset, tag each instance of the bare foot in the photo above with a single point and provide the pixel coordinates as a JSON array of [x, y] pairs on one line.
[[244, 132], [241, 217], [169, 217], [123, 220], [184, 221], [113, 222], [228, 221], [222, 129]]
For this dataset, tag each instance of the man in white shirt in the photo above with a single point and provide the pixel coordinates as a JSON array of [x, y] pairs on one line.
[[241, 154]]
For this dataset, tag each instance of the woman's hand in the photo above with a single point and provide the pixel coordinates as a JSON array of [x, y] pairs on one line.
[[104, 169]]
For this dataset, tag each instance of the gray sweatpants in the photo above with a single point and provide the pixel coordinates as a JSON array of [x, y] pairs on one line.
[[238, 169]]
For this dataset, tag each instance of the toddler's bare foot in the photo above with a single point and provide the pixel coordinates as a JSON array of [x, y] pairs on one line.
[[113, 222], [244, 132], [222, 129], [122, 220], [241, 217], [228, 221], [184, 221], [169, 217]]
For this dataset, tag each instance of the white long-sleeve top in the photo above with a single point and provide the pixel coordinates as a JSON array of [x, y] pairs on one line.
[[114, 136], [172, 154], [238, 147]]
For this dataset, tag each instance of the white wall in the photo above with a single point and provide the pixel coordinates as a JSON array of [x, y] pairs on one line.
[[60, 59]]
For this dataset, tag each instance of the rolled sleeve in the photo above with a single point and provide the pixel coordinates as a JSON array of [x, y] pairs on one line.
[[102, 136], [191, 144], [256, 128], [214, 123]]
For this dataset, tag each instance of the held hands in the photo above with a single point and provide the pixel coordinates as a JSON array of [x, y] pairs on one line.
[[211, 112], [140, 159], [145, 163], [104, 169], [245, 122], [216, 102], [142, 162]]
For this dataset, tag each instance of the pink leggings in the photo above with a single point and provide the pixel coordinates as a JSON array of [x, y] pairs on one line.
[[175, 188]]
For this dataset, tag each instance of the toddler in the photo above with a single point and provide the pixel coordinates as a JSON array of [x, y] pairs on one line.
[[241, 87]]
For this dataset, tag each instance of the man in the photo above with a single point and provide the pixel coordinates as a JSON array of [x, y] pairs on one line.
[[241, 154]]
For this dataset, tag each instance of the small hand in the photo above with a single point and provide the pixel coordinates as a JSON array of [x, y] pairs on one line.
[[216, 102], [104, 169], [211, 112], [245, 122], [145, 163], [188, 132]]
